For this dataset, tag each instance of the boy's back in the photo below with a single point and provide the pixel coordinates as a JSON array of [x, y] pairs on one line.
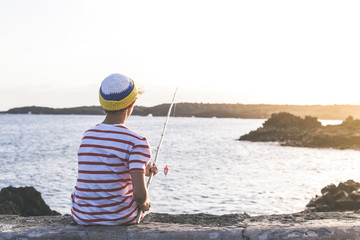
[[104, 192]]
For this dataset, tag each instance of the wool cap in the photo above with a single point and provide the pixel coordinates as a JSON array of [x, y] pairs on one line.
[[117, 92]]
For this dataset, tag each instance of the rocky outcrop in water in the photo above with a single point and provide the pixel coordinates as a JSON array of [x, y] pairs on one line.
[[23, 201], [291, 130], [344, 197]]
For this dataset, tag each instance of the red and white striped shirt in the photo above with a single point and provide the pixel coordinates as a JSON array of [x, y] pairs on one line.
[[103, 193]]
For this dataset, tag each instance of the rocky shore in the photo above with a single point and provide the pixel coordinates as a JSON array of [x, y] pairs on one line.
[[291, 130], [321, 225], [344, 197], [325, 217]]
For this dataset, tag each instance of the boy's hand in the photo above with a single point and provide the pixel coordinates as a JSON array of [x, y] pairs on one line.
[[146, 206], [151, 168]]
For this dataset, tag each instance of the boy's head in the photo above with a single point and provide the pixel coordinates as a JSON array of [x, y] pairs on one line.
[[117, 92]]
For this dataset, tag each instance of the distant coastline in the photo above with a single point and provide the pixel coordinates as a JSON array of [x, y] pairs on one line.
[[209, 110]]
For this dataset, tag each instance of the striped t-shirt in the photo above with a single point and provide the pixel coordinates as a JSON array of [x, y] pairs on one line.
[[103, 193]]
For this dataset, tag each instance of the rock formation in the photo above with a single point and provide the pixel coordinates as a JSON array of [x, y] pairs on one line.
[[291, 130], [344, 197], [23, 201]]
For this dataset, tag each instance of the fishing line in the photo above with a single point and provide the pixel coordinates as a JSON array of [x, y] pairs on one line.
[[166, 168], [174, 109]]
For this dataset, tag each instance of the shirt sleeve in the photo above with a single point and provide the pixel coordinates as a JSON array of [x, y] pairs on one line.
[[139, 156]]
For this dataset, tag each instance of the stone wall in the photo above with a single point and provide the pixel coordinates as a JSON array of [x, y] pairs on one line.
[[318, 225]]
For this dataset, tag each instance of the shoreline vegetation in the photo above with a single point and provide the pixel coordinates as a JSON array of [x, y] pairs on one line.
[[209, 110], [291, 130]]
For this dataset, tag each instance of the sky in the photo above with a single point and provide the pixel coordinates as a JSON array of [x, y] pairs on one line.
[[55, 53]]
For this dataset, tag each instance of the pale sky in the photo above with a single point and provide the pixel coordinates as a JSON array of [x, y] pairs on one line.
[[56, 53]]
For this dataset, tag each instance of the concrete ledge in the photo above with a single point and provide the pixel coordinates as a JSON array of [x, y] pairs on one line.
[[331, 225]]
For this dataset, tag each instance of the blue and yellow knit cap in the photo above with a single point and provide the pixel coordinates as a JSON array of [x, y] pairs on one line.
[[117, 92]]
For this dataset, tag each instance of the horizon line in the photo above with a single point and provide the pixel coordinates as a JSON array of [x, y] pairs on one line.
[[207, 103]]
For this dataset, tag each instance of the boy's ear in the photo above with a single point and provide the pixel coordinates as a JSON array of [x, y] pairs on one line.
[[131, 105]]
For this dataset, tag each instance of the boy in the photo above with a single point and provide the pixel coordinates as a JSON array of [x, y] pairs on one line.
[[112, 162]]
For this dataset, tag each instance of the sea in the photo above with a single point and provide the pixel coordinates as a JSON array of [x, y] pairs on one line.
[[210, 171]]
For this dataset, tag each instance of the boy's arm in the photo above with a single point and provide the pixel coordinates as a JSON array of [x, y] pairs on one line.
[[140, 192]]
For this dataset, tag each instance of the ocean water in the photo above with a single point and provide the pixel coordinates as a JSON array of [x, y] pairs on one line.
[[209, 171]]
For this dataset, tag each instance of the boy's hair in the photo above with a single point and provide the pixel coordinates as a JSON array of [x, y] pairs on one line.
[[116, 111]]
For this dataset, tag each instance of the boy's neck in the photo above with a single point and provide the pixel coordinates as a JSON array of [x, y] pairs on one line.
[[116, 118]]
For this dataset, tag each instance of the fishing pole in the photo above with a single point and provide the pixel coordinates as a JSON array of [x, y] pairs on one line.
[[157, 153]]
